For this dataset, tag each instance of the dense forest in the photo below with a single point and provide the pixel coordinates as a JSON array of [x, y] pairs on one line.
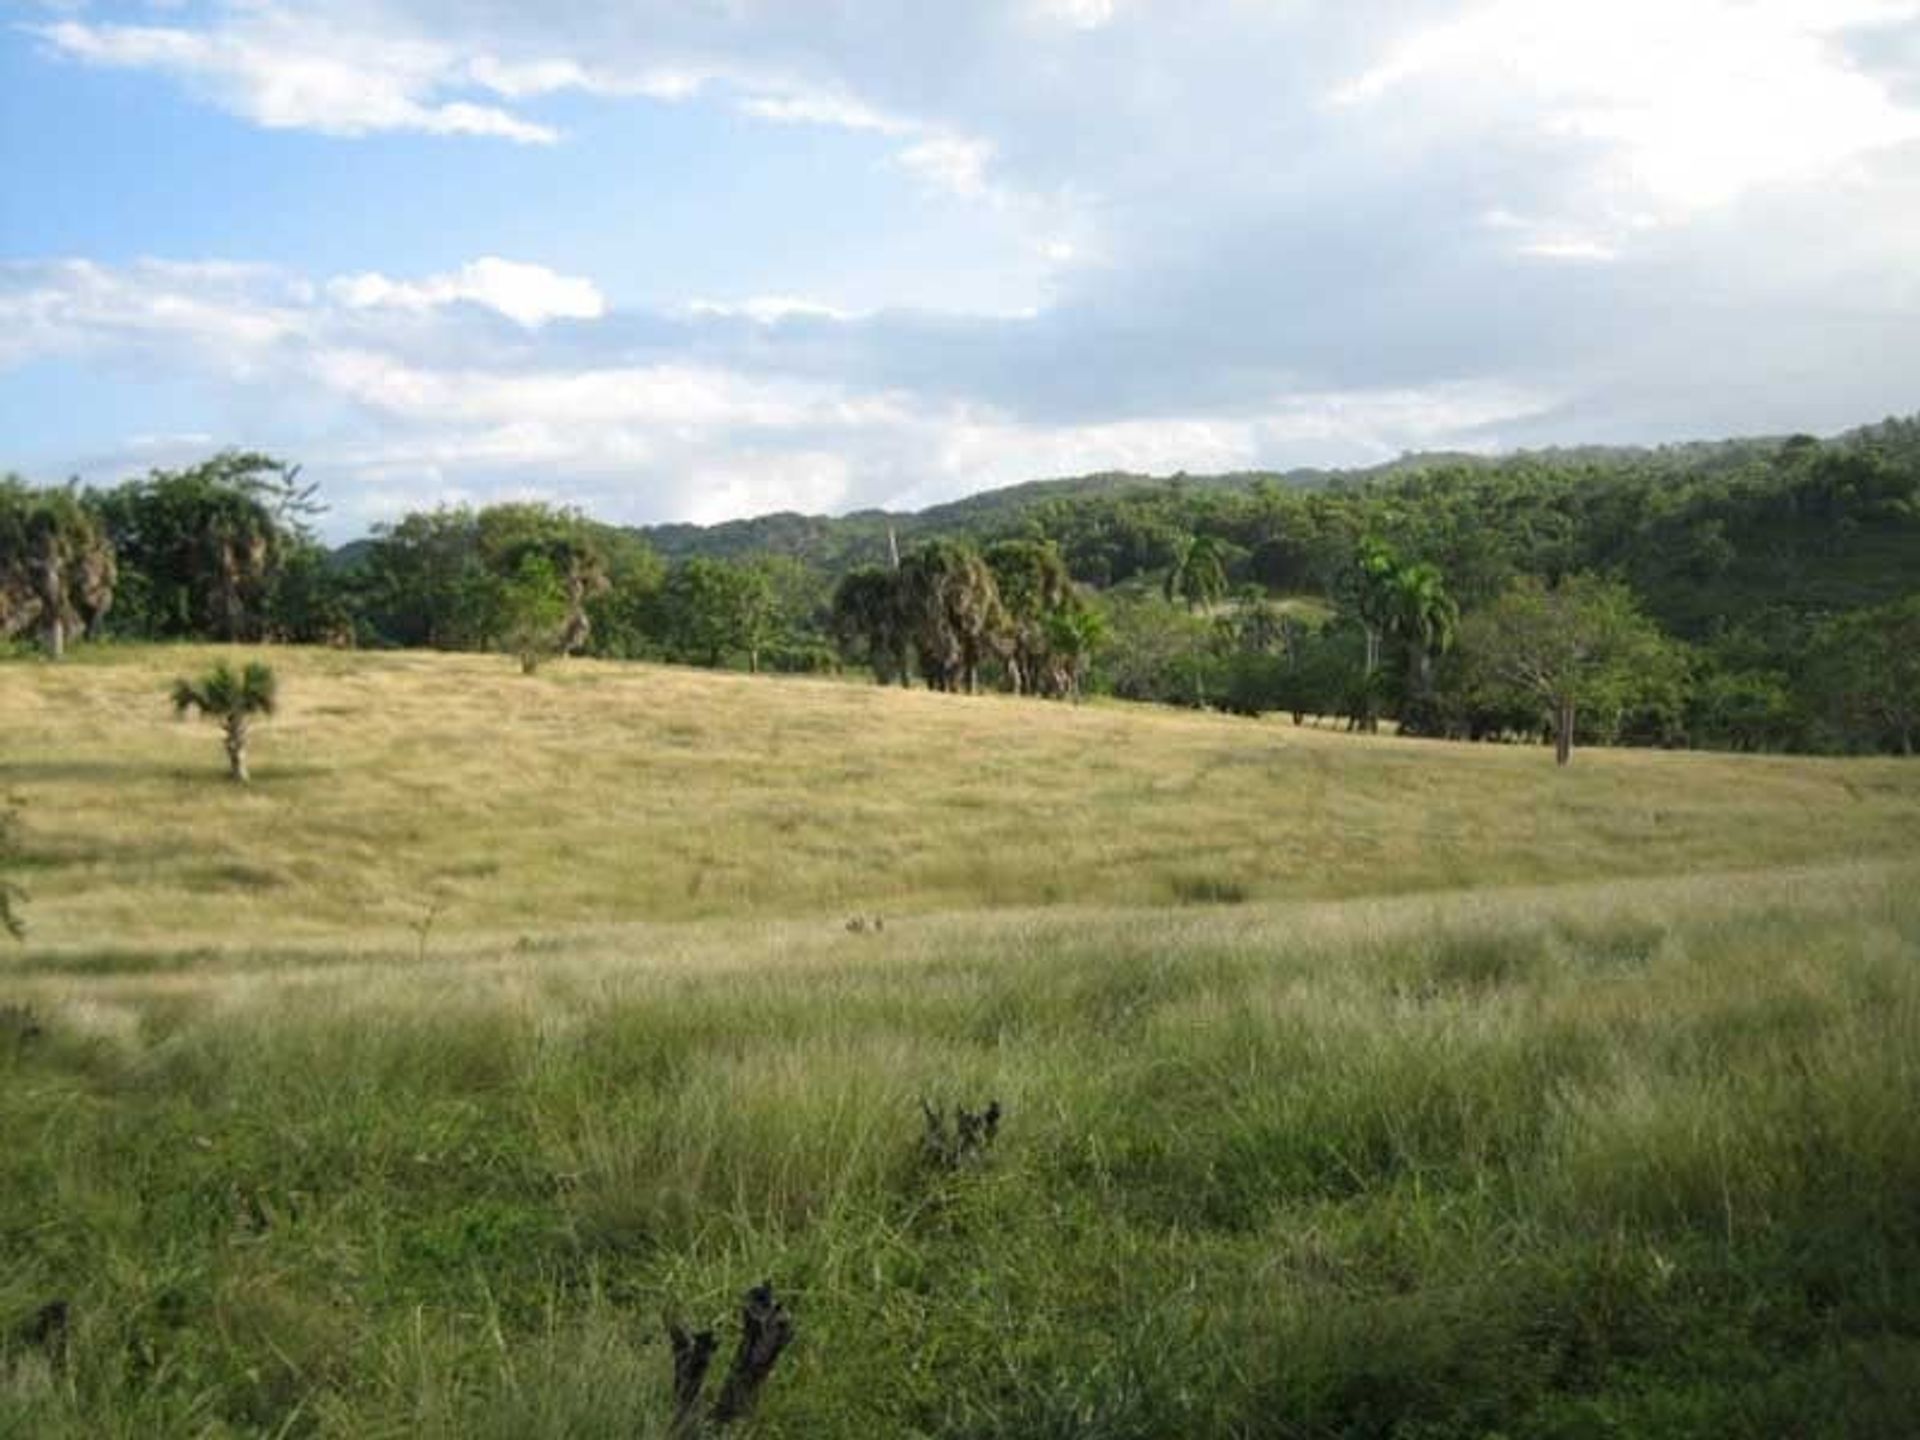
[[1754, 595]]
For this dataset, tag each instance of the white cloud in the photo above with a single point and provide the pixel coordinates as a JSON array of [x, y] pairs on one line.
[[1078, 14], [950, 162], [1669, 107], [801, 107], [772, 309], [529, 294], [1537, 222], [286, 73], [419, 404]]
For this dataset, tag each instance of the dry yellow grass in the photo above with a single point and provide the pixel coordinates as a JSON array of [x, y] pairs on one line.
[[1527, 1100], [396, 790]]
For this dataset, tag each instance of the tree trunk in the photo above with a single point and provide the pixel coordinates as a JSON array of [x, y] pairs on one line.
[[1563, 732], [237, 749], [53, 634]]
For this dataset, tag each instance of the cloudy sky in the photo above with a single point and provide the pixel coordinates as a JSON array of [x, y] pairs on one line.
[[689, 259]]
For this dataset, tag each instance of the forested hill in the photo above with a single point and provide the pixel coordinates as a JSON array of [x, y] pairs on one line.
[[1756, 594], [840, 542]]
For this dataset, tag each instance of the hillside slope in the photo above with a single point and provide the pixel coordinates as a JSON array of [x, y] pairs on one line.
[[400, 789]]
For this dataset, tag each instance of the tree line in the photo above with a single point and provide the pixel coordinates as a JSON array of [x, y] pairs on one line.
[[1746, 595]]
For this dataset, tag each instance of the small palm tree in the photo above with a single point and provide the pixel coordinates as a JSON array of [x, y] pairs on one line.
[[232, 699], [1198, 578]]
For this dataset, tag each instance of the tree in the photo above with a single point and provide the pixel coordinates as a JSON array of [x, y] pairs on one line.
[[711, 609], [870, 623], [233, 699], [536, 607], [1423, 617], [199, 549], [1074, 636], [507, 536], [1037, 594], [1580, 646], [428, 584], [1372, 594], [1198, 577], [57, 566], [1198, 580], [1865, 676], [953, 612]]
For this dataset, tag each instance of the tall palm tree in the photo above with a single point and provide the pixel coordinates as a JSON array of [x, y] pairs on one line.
[[1425, 616], [1198, 579], [954, 609], [233, 699]]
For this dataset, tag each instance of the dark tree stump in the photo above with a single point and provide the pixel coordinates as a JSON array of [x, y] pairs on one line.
[[47, 1329], [692, 1354], [765, 1330]]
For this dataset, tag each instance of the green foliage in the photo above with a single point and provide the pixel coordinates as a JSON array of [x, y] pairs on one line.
[[200, 549], [713, 610], [57, 566], [954, 613], [1050, 630], [1198, 576], [232, 699], [1750, 554], [1863, 681], [533, 611], [870, 623], [1579, 648]]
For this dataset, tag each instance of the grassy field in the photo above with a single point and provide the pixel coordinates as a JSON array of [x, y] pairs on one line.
[[1353, 1086]]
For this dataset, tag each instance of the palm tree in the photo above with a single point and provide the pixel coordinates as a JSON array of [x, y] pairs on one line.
[[232, 699], [1425, 616], [1199, 580], [953, 608], [56, 565]]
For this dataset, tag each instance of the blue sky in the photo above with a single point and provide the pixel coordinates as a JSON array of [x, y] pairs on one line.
[[676, 261]]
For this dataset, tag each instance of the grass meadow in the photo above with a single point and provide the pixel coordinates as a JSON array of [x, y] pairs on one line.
[[1353, 1086]]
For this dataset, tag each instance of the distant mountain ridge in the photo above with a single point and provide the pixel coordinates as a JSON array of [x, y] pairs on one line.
[[860, 536]]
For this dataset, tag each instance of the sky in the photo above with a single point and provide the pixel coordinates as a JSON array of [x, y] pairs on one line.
[[698, 259]]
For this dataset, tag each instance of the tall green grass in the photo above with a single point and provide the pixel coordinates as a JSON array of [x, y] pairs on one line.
[[1638, 1159]]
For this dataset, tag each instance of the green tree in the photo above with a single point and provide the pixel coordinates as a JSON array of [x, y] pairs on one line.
[[508, 536], [199, 549], [1075, 635], [625, 613], [1423, 617], [428, 584], [953, 612], [233, 699], [1198, 580], [1371, 592], [1580, 646], [1036, 592], [715, 608], [1864, 679], [870, 624], [57, 566], [1198, 576], [535, 608]]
